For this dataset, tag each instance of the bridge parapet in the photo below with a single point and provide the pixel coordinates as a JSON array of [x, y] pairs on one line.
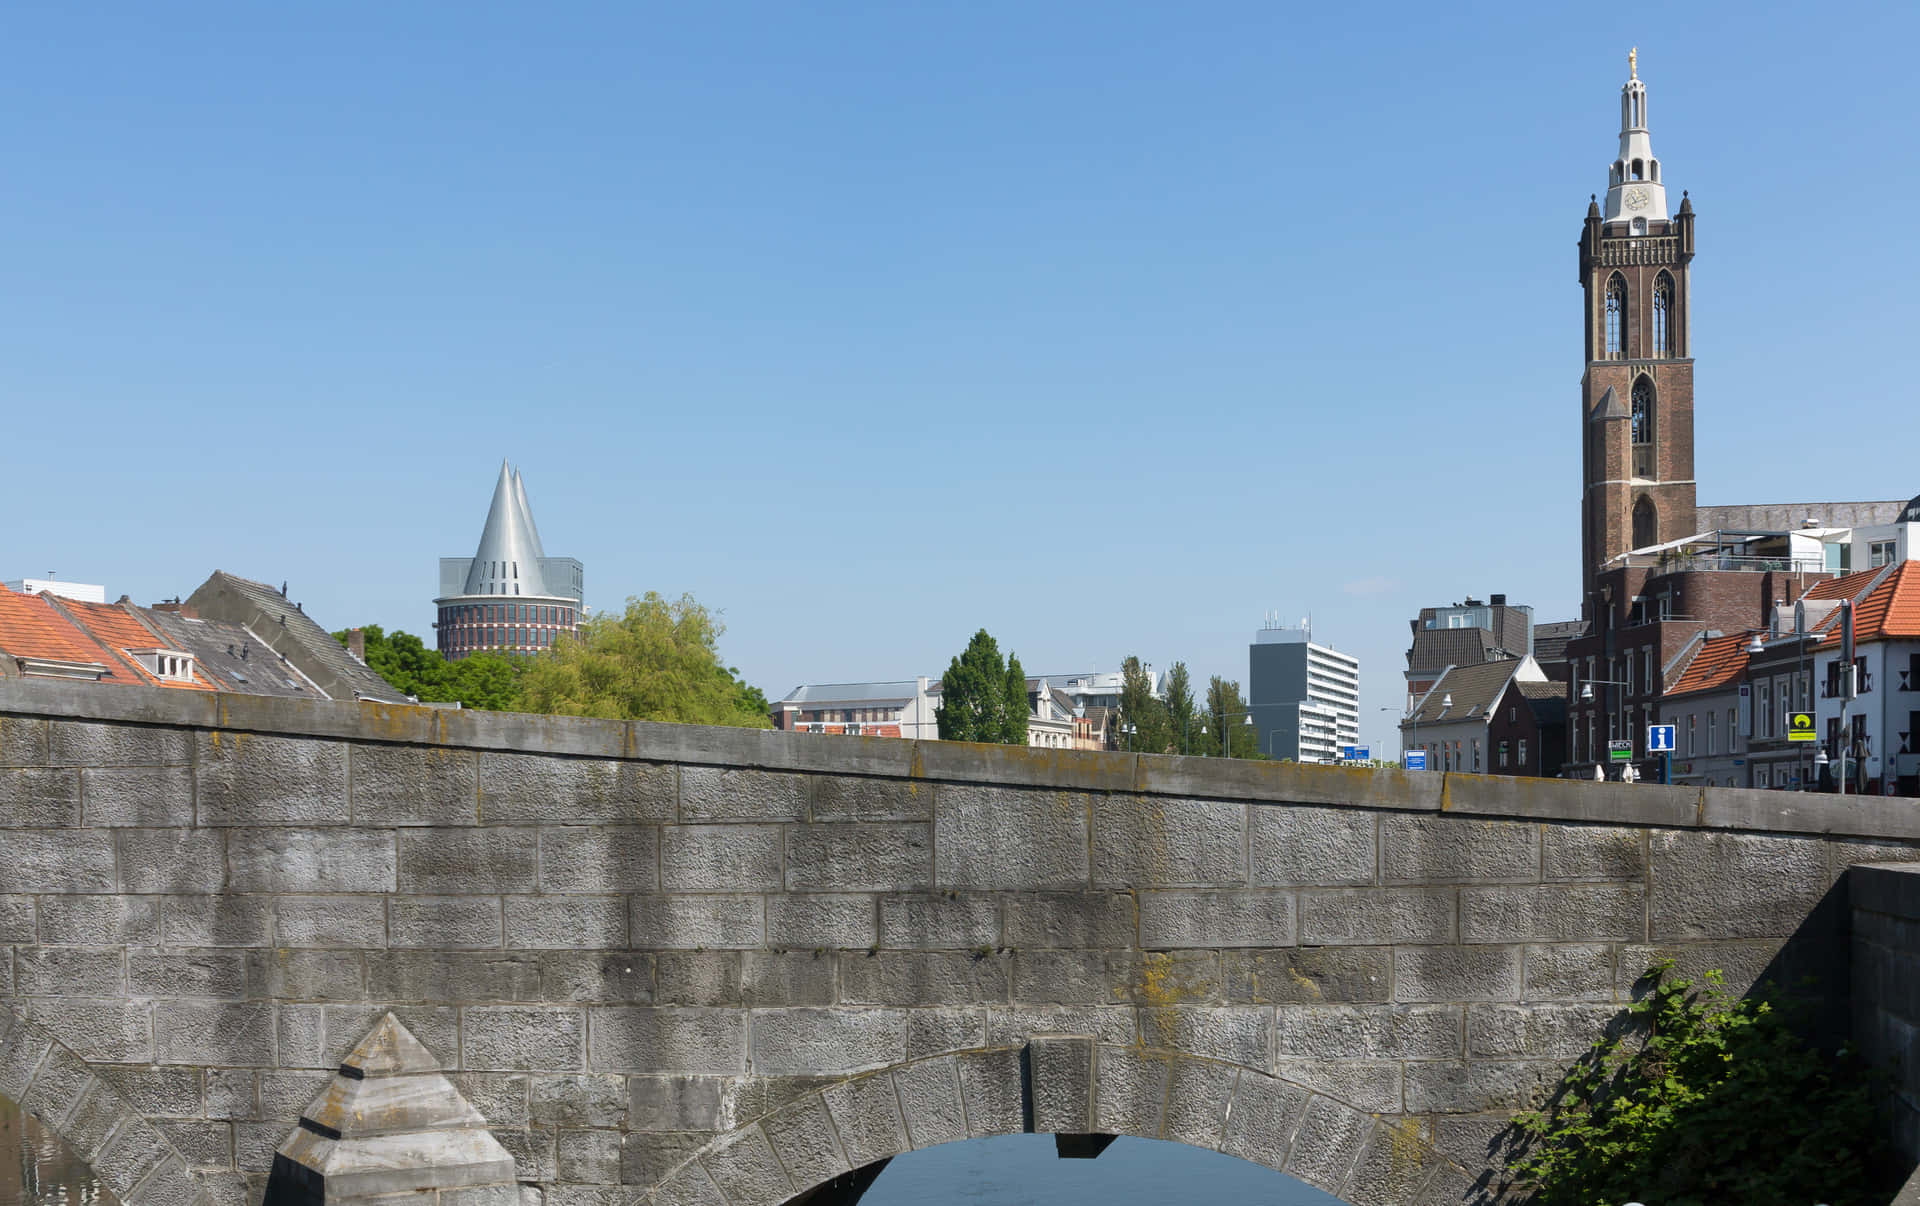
[[627, 941]]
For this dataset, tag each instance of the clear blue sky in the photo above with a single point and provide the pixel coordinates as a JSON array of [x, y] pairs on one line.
[[1107, 327]]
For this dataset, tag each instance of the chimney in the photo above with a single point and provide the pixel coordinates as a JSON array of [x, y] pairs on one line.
[[1498, 600], [357, 645]]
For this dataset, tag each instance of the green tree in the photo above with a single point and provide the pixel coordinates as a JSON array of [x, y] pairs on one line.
[[1013, 725], [480, 680], [656, 661], [1226, 713], [1139, 707], [978, 700], [1696, 1097], [1181, 717]]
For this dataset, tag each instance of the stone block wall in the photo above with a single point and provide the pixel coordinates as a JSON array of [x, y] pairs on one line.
[[658, 959], [1886, 985]]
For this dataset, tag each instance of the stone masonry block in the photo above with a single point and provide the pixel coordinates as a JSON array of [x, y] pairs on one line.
[[1323, 847], [572, 1099], [1130, 1093], [1263, 1119], [1337, 975], [137, 795], [866, 1115], [1070, 919], [566, 922], [89, 920], [220, 975], [337, 921], [22, 1047], [154, 1091], [1446, 849], [991, 1086], [413, 785], [94, 1116], [589, 1157], [173, 860], [691, 1185], [287, 974], [1733, 885], [639, 1039], [609, 858], [1163, 978], [462, 862], [128, 1155], [1328, 1143], [845, 798], [1569, 972], [17, 917], [39, 797], [170, 1183], [1239, 1034], [1370, 1085], [711, 794], [232, 1093], [863, 856], [940, 920], [824, 1042], [1141, 840], [923, 978], [1605, 852], [218, 921], [720, 858], [300, 1034], [453, 976], [517, 1039], [249, 779], [937, 1031], [1013, 1025], [746, 1170], [1342, 1032], [680, 1103], [805, 1142], [90, 743], [814, 920], [1392, 1167], [1062, 977], [1456, 973], [1478, 1086], [1538, 1031], [59, 1082], [621, 977], [230, 1035], [1216, 919], [440, 922], [311, 860], [1378, 916], [202, 1144], [1058, 1073], [1197, 1095], [285, 1094], [697, 977], [684, 922], [930, 1104], [23, 741], [68, 971], [770, 978], [436, 1026], [540, 787], [1550, 912], [989, 837], [58, 860]]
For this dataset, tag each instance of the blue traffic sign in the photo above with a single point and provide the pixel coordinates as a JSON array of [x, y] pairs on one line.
[[1659, 739], [1416, 759]]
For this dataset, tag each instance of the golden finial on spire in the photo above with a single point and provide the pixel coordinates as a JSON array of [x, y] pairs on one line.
[[1633, 62]]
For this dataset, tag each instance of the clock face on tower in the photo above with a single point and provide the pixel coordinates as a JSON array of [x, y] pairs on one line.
[[1637, 198]]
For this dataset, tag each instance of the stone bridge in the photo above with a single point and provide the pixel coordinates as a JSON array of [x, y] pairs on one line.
[[677, 964]]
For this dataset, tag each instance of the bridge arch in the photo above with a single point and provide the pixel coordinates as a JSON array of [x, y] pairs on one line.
[[1065, 1085], [129, 1155]]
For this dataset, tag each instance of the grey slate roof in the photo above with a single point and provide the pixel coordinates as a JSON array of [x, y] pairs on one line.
[[231, 656], [1437, 648], [1474, 689], [280, 624], [849, 692], [1550, 639]]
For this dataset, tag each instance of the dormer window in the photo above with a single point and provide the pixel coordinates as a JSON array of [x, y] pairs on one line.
[[167, 665]]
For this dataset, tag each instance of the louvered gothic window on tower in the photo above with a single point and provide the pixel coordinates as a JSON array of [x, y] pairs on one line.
[[1616, 317], [1663, 315], [1643, 428]]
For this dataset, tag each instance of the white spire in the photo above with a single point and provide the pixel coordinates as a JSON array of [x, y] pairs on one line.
[[1635, 190], [508, 559]]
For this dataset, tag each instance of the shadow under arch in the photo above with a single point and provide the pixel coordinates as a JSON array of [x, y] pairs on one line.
[[127, 1153], [1064, 1085]]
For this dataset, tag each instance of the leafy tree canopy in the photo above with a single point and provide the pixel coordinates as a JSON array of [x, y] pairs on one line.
[[480, 680], [1226, 711], [1181, 714], [1139, 707], [1699, 1098], [658, 660], [982, 697]]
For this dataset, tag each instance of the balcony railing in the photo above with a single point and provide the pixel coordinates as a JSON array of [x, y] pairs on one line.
[[1679, 563]]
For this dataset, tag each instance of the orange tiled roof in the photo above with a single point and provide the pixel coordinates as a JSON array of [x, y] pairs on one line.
[[1891, 610], [118, 630], [29, 627], [1720, 661], [1846, 586]]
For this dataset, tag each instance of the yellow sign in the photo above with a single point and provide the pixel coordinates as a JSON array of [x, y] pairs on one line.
[[1800, 727]]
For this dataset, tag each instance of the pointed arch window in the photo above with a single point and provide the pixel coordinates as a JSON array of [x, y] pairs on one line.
[[1663, 343], [1643, 406], [1616, 317], [1646, 524]]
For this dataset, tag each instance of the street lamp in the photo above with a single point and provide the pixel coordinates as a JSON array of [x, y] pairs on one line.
[[1586, 697], [1226, 738]]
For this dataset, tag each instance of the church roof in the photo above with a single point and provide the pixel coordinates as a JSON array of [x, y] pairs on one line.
[[1610, 406]]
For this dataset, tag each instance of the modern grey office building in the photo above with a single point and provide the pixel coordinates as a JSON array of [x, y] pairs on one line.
[[509, 597], [1304, 698]]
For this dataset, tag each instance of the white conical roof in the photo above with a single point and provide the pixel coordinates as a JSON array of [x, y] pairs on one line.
[[508, 559]]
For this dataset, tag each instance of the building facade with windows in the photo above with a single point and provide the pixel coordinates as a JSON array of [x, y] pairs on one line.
[[1303, 698], [509, 597]]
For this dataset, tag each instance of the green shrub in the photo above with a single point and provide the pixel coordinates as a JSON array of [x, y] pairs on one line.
[[1701, 1098]]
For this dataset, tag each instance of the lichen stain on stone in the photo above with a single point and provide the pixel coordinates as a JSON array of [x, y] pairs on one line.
[[1305, 983], [1405, 1145], [1162, 982]]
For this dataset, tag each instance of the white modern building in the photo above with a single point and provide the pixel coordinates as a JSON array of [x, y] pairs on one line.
[[83, 592], [901, 708], [1304, 698]]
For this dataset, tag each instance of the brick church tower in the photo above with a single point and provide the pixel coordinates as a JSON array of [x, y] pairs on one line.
[[1636, 404]]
